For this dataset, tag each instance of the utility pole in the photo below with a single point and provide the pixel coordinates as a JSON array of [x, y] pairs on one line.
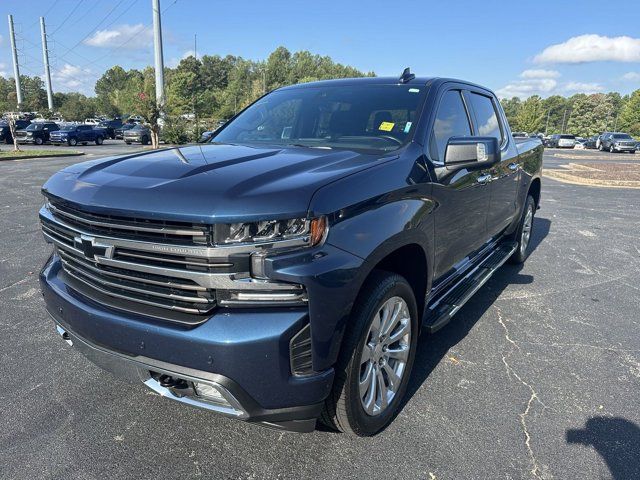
[[564, 117], [16, 68], [159, 59], [45, 57], [195, 45], [546, 128]]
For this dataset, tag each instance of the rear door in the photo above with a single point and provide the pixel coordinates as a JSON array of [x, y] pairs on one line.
[[505, 175], [463, 201]]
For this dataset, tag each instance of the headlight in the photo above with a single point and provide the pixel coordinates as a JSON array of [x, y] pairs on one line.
[[306, 232]]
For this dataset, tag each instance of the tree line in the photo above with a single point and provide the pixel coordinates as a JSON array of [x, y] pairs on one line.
[[581, 114], [211, 87]]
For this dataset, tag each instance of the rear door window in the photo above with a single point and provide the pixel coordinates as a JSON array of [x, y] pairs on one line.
[[487, 123]]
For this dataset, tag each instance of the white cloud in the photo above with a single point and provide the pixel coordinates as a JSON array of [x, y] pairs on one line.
[[3, 72], [631, 76], [528, 87], [130, 37], [540, 73], [71, 78], [592, 48], [174, 61], [582, 87]]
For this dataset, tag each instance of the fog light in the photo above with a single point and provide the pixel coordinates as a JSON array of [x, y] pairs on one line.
[[209, 393]]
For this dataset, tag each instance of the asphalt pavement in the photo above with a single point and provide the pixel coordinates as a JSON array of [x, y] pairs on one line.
[[538, 376]]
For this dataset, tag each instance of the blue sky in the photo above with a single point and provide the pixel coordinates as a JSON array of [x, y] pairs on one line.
[[545, 48]]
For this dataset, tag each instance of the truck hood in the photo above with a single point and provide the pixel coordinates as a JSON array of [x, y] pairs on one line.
[[214, 182]]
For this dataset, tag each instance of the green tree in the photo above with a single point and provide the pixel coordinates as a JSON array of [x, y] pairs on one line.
[[555, 107], [530, 117], [629, 120], [590, 114], [76, 107], [511, 106]]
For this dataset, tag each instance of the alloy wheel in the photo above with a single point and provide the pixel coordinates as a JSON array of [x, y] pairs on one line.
[[527, 225], [384, 356]]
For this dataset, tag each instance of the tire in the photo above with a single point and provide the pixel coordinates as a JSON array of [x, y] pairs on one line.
[[601, 147], [611, 149], [523, 233], [38, 141], [72, 142], [128, 143], [99, 140], [344, 409], [145, 140]]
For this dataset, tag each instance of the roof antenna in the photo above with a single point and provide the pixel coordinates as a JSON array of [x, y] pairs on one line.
[[406, 76]]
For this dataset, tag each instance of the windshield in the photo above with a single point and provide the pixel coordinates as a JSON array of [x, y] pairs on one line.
[[369, 117], [568, 137], [34, 126], [622, 136]]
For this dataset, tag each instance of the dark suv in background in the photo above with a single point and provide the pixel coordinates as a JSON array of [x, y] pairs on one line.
[[37, 133], [5, 131]]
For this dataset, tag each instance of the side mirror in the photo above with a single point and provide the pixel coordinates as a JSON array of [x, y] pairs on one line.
[[465, 152]]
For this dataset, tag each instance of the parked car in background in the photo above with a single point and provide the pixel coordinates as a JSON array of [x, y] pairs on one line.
[[520, 134], [590, 142], [92, 121], [599, 140], [562, 141], [618, 142], [579, 145], [138, 134], [284, 272], [206, 136], [37, 133], [75, 134], [119, 132], [5, 131], [109, 126]]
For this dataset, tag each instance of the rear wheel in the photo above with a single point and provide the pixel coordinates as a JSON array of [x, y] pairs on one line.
[[145, 140], [523, 234], [376, 358]]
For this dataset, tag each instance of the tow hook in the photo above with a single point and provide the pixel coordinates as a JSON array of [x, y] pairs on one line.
[[178, 386]]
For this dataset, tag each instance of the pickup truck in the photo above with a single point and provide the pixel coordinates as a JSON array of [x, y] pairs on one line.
[[617, 142], [283, 272], [75, 134]]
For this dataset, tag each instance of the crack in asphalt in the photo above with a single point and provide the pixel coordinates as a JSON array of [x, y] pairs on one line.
[[535, 470]]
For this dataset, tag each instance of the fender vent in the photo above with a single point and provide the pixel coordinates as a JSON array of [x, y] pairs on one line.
[[300, 353]]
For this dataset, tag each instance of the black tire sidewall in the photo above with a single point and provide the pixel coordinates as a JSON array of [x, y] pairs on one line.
[[519, 256], [72, 142], [360, 422], [38, 141]]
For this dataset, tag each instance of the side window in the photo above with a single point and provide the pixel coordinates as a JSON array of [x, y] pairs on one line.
[[486, 117], [451, 121]]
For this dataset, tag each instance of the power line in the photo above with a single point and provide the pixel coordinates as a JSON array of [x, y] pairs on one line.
[[68, 16]]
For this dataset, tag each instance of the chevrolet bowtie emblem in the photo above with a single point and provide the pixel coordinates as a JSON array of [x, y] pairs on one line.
[[90, 248]]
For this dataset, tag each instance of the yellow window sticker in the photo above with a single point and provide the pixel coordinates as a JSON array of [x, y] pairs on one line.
[[386, 126]]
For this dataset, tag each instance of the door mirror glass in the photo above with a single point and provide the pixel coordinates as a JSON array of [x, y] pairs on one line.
[[464, 152]]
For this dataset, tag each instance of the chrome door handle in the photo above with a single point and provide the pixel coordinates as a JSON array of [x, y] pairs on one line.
[[484, 179], [513, 166]]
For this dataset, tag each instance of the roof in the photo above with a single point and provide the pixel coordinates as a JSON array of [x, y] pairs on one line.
[[362, 81]]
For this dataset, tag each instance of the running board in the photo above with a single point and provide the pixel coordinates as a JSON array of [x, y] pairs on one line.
[[441, 310]]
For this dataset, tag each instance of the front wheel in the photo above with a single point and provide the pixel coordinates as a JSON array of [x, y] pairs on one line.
[[601, 147], [611, 149], [376, 358], [38, 141], [523, 234], [99, 140], [145, 141], [72, 142]]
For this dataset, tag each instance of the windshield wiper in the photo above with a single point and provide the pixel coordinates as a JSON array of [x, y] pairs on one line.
[[324, 147]]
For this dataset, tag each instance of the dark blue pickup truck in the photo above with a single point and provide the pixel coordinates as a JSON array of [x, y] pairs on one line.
[[75, 134], [282, 273]]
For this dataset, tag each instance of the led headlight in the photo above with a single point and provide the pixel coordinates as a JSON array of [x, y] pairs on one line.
[[309, 232]]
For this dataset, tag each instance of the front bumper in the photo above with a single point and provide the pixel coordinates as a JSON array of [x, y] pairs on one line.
[[244, 352], [625, 148]]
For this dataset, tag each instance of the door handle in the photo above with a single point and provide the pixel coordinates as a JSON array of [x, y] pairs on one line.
[[484, 179], [513, 166]]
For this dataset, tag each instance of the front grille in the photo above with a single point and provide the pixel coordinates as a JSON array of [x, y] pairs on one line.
[[162, 269], [134, 228]]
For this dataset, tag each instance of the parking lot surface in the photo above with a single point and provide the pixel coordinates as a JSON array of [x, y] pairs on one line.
[[538, 376]]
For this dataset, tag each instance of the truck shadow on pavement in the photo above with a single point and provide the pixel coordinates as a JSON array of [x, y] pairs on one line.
[[432, 348], [616, 439]]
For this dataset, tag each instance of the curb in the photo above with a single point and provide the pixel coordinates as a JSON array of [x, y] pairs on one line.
[[21, 157]]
